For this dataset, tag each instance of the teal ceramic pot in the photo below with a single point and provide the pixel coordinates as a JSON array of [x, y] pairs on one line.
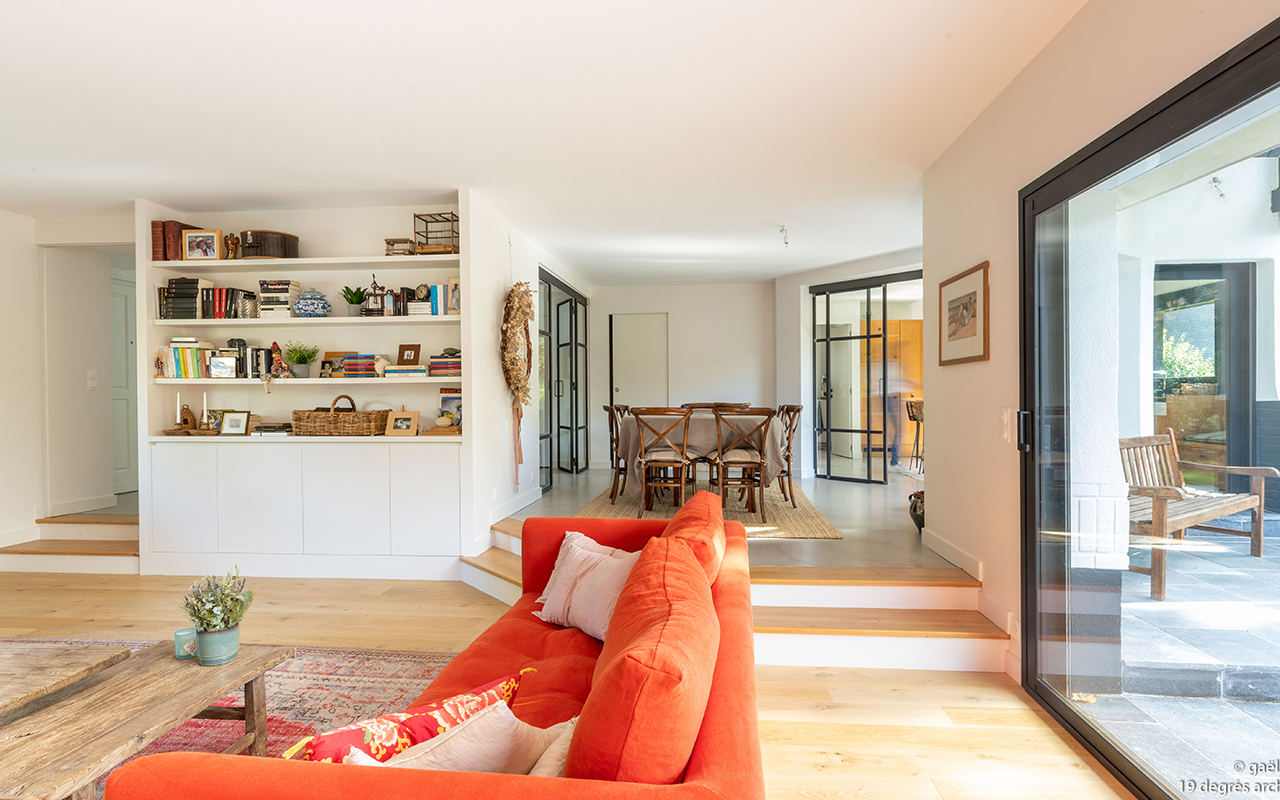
[[217, 647]]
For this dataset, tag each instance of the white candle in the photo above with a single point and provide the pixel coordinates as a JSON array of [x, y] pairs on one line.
[[178, 416], [204, 408]]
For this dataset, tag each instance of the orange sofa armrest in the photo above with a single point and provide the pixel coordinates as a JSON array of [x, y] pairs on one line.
[[209, 776], [541, 537]]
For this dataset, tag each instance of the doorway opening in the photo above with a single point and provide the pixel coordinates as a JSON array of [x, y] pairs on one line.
[[563, 429], [868, 356]]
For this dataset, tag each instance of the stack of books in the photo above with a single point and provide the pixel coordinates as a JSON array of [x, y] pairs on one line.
[[406, 371], [272, 429], [278, 297], [359, 365], [187, 357], [181, 298], [445, 366], [419, 308]]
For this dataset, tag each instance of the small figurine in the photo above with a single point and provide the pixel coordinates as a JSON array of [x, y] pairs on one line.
[[278, 368], [160, 364], [231, 246], [380, 365]]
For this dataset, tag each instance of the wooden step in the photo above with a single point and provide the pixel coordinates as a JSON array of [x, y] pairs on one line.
[[90, 519], [510, 526], [864, 576], [498, 563], [73, 547], [909, 622]]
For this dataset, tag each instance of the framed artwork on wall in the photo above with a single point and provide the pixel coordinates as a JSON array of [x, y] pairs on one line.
[[964, 321]]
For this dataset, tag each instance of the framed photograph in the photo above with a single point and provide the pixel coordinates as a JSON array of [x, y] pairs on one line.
[[453, 303], [201, 245], [235, 423], [215, 417], [964, 317], [222, 367], [409, 354], [326, 369], [451, 403], [402, 423], [334, 357]]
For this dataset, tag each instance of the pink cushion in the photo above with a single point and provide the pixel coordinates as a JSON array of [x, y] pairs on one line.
[[585, 584]]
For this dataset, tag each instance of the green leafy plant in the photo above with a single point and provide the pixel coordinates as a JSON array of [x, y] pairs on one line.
[[299, 353], [1182, 359], [353, 295], [217, 602]]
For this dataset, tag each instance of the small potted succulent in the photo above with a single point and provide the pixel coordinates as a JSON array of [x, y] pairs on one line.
[[300, 357], [355, 299], [215, 605]]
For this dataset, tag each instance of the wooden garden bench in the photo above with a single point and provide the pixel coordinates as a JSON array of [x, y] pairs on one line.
[[1161, 504]]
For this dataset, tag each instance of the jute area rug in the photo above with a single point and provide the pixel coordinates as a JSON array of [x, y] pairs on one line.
[[320, 689], [785, 522]]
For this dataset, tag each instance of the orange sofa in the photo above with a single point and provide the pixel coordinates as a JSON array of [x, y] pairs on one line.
[[725, 762]]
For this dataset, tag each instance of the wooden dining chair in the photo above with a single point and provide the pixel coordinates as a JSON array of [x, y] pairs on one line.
[[665, 460], [698, 406], [789, 418], [915, 413], [741, 434], [616, 414]]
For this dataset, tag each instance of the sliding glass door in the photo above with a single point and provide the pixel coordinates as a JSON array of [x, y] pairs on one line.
[[1151, 430]]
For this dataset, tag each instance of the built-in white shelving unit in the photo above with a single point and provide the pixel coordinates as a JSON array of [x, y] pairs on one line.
[[290, 322], [371, 383]]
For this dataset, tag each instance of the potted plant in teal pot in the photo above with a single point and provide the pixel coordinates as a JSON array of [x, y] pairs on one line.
[[215, 605]]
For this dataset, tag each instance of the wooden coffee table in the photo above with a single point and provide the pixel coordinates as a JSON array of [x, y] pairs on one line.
[[59, 750]]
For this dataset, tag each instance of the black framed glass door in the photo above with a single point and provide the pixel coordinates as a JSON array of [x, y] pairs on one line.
[[563, 334], [546, 474]]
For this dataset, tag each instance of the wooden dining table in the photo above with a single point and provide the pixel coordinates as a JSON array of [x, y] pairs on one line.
[[702, 441]]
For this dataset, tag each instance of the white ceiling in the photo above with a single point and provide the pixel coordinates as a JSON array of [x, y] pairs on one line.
[[651, 142]]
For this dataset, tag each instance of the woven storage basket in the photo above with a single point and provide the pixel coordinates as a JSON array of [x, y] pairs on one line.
[[340, 423]]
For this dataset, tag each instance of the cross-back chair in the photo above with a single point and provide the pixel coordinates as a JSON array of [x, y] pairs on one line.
[[740, 445], [915, 413], [665, 460], [619, 464], [789, 418]]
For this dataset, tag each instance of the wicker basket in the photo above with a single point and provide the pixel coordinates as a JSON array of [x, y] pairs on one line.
[[340, 423]]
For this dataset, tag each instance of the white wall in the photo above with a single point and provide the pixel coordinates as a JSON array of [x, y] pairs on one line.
[[499, 256], [22, 398], [720, 345], [793, 334], [1111, 59], [77, 328]]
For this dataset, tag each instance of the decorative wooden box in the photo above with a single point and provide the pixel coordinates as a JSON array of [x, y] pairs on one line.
[[268, 244]]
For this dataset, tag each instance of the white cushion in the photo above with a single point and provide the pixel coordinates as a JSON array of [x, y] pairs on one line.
[[573, 539], [551, 765], [584, 586], [491, 741]]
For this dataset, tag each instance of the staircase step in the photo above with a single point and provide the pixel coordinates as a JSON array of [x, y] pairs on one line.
[[864, 576], [90, 519], [496, 572], [73, 547], [910, 622], [510, 526]]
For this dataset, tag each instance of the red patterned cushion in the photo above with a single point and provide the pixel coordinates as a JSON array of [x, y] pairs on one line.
[[384, 736]]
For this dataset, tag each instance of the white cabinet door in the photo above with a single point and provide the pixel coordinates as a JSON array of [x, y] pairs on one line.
[[424, 500], [259, 498], [184, 491], [346, 502]]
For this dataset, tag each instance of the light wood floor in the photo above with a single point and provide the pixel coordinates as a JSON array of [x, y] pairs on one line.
[[825, 733]]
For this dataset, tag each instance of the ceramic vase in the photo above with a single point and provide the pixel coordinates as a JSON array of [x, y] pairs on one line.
[[300, 370], [353, 309], [217, 647], [311, 303]]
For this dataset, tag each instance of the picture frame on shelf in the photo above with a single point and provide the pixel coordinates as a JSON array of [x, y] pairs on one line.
[[451, 404], [964, 317], [222, 367], [334, 357], [235, 423], [402, 423], [326, 369], [454, 299], [408, 355], [215, 417], [202, 245]]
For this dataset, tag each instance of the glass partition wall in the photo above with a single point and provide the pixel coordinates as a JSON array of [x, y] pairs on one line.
[[1151, 383]]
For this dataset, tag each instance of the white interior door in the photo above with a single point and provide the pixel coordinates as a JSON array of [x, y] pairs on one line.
[[124, 386], [638, 359]]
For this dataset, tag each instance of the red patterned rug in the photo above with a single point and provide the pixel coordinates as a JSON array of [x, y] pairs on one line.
[[319, 689]]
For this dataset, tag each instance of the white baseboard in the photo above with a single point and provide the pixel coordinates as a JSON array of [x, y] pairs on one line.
[[599, 465], [492, 585], [408, 568], [80, 565], [881, 652], [525, 498], [819, 596], [1001, 616], [77, 506], [951, 552], [1013, 660], [19, 536]]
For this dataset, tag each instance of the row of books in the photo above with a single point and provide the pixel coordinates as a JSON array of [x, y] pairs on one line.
[[188, 357], [166, 239], [444, 366], [198, 298]]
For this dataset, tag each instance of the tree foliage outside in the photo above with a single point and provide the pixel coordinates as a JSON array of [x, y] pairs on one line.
[[1182, 359]]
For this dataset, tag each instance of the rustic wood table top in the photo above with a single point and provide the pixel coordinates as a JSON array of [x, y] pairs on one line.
[[31, 671], [59, 750]]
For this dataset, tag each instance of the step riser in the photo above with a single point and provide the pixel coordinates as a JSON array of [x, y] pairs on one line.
[[117, 533], [505, 542], [820, 596], [881, 652], [83, 565], [495, 587]]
